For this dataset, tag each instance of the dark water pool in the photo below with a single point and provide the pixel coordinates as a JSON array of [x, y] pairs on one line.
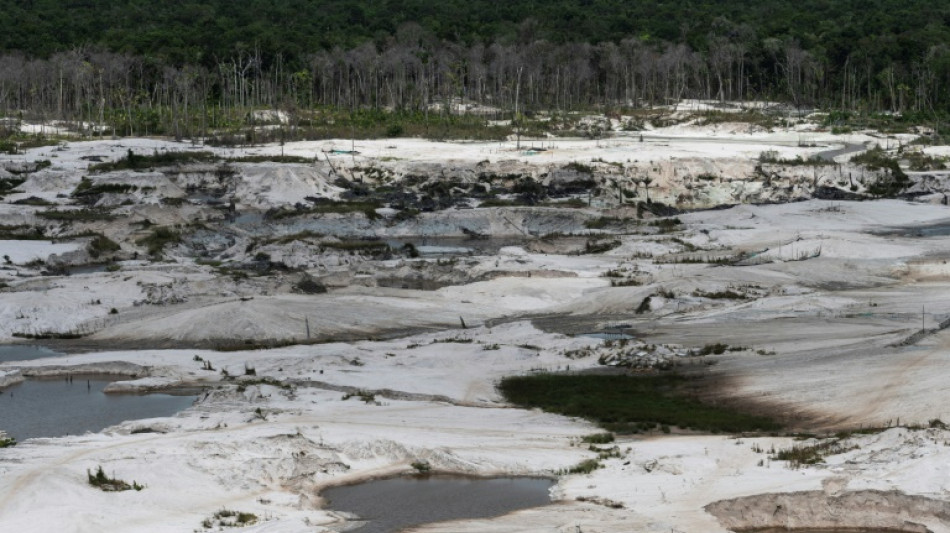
[[391, 505], [58, 407], [25, 352]]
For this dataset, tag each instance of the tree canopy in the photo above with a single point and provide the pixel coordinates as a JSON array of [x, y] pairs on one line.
[[202, 32]]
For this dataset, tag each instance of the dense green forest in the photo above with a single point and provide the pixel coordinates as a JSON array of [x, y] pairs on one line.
[[134, 59], [181, 31]]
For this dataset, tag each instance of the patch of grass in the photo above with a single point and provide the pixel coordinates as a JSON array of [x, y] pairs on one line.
[[365, 396], [368, 208], [30, 168], [299, 236], [33, 200], [919, 161], [421, 466], [15, 144], [100, 245], [77, 215], [666, 225], [753, 117], [599, 247], [7, 442], [629, 282], [584, 467], [8, 184], [243, 385], [156, 241], [229, 518], [22, 232], [570, 203], [103, 482], [308, 285], [499, 202], [370, 247], [133, 161], [598, 438], [42, 335], [601, 222], [719, 295], [87, 188], [624, 404], [644, 306], [771, 157], [894, 179], [579, 167], [270, 159], [713, 349], [802, 455]]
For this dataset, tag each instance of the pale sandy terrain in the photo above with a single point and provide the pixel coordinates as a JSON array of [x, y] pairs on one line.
[[831, 293]]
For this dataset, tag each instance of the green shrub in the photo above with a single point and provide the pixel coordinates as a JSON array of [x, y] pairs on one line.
[[103, 482], [421, 466], [308, 285], [158, 239], [100, 245], [585, 467], [598, 438], [133, 161]]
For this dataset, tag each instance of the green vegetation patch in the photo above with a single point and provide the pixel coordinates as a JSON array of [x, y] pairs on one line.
[[100, 480], [158, 239], [87, 188], [894, 179], [270, 159], [134, 161], [76, 215], [368, 208], [100, 245], [627, 404]]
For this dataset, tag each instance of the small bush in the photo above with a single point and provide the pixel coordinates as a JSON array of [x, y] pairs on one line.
[[100, 245], [644, 305], [308, 285], [719, 295], [713, 349], [133, 161], [158, 239], [598, 438], [103, 482], [599, 247], [601, 222], [421, 466], [585, 467]]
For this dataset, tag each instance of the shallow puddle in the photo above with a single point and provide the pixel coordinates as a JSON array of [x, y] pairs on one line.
[[391, 505], [58, 407], [25, 352]]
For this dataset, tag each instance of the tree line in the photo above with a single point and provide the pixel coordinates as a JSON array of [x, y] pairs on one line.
[[414, 70]]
